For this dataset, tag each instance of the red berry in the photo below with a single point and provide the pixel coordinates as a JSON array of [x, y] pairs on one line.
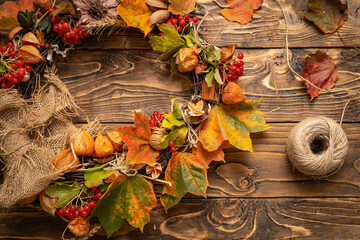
[[87, 208], [15, 74], [21, 71], [65, 25], [3, 85], [92, 204], [3, 49], [190, 20], [152, 122], [195, 19], [14, 66], [187, 17], [52, 19], [76, 214], [234, 68], [57, 18], [28, 68], [72, 208], [156, 114], [168, 22], [81, 210], [174, 21], [179, 29], [84, 214], [182, 22], [238, 71], [161, 35], [230, 76], [55, 28], [66, 212], [10, 78], [71, 41], [19, 63], [46, 45], [173, 149], [10, 44], [70, 216], [13, 53], [180, 18], [2, 79], [67, 35], [60, 26], [94, 189], [60, 212], [239, 63], [50, 10], [171, 143], [98, 194], [240, 55], [156, 125], [235, 77], [240, 74]]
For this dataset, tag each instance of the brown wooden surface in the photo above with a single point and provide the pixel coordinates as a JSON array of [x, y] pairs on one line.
[[250, 196]]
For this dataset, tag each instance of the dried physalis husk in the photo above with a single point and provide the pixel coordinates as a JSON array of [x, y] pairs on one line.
[[29, 54], [30, 39], [186, 60], [65, 159], [197, 109], [79, 226], [227, 52], [27, 200], [156, 137], [84, 144], [154, 170], [232, 94], [103, 147], [14, 31], [196, 113], [47, 203], [116, 140]]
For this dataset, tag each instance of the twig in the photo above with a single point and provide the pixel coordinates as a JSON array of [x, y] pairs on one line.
[[156, 180]]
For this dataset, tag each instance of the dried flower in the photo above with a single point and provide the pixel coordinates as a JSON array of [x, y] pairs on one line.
[[227, 52], [84, 144], [196, 113], [64, 159], [154, 170], [103, 147], [232, 94], [186, 60], [94, 10], [47, 203], [196, 110], [116, 140], [79, 226]]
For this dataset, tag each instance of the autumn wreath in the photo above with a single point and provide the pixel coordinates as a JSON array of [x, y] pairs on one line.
[[84, 175]]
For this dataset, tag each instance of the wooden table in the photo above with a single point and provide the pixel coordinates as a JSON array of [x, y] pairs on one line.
[[250, 196]]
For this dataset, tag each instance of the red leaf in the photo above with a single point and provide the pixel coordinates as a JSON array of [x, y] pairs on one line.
[[206, 156], [137, 140], [241, 11], [9, 11], [320, 71]]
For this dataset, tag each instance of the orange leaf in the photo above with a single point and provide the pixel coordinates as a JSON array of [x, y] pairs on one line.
[[136, 14], [9, 11], [208, 157], [241, 11], [137, 140], [178, 7]]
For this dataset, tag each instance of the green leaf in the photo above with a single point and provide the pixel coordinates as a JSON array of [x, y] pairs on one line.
[[64, 192], [173, 119], [45, 25], [177, 135], [214, 54], [25, 19], [169, 201], [2, 68], [218, 77], [209, 78], [190, 40], [95, 178], [128, 198]]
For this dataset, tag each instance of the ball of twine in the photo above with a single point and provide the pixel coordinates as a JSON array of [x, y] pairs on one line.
[[317, 146]]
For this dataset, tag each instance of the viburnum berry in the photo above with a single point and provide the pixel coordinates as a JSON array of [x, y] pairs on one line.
[[98, 195], [171, 143], [72, 208], [195, 19], [87, 208], [70, 216], [47, 45], [3, 85], [173, 149], [187, 17], [161, 35], [10, 44], [240, 55], [174, 21], [15, 74], [92, 204], [67, 212], [65, 25], [19, 63], [151, 122], [60, 212], [28, 68], [50, 10], [179, 29], [76, 214], [81, 210], [13, 53], [182, 22], [94, 189], [3, 49], [14, 66], [84, 214]]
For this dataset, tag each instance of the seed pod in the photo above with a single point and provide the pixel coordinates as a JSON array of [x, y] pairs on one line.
[[47, 203], [14, 31], [186, 60], [29, 54], [30, 39], [155, 138], [103, 146], [116, 140], [64, 159], [159, 17], [157, 4], [232, 94], [84, 144], [79, 226], [227, 52], [154, 170]]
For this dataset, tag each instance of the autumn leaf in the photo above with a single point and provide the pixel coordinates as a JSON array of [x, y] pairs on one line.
[[178, 7], [137, 140], [128, 198], [233, 123], [94, 178], [64, 192], [206, 156], [320, 71], [136, 14], [9, 11], [241, 11], [328, 15], [187, 173]]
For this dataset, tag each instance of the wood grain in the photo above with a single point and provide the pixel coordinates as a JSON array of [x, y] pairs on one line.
[[286, 218], [111, 84], [267, 30]]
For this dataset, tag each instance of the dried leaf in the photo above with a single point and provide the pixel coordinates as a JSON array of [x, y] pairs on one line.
[[137, 140], [241, 11], [136, 14], [196, 110], [47, 203], [328, 15], [206, 156], [178, 7], [227, 52], [29, 54], [320, 71], [9, 11], [40, 37], [159, 17], [233, 123], [200, 68], [64, 192], [94, 178]]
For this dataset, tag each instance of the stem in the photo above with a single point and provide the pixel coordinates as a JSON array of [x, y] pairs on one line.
[[156, 180]]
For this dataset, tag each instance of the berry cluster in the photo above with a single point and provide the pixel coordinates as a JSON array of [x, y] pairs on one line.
[[73, 212], [156, 119], [14, 68], [180, 21], [66, 32], [233, 70], [172, 147]]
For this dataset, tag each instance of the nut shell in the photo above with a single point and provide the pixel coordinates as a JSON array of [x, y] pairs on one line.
[[155, 138]]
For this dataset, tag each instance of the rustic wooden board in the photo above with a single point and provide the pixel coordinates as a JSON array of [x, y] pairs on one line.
[[267, 30], [111, 84], [232, 218]]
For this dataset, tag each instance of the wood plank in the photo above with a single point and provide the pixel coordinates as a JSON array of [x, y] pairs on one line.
[[111, 84], [288, 218], [267, 30]]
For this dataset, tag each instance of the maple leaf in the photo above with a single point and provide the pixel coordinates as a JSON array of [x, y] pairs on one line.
[[328, 15], [137, 140], [9, 11], [233, 123], [128, 198], [241, 11], [206, 156], [136, 14], [181, 6], [320, 71], [187, 173]]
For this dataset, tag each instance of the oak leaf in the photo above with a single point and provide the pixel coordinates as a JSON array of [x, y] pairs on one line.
[[136, 14], [178, 7], [233, 123], [320, 71], [9, 11], [128, 198], [206, 156], [241, 11], [137, 140], [328, 15]]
